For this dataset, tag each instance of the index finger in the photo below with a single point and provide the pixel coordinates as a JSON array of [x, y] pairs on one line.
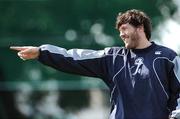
[[18, 48]]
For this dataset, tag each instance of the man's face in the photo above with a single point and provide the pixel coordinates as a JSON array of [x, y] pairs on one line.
[[129, 35]]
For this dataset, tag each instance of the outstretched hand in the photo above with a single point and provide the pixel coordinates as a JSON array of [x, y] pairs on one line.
[[26, 52]]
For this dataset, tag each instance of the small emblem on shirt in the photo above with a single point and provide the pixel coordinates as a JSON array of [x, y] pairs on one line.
[[158, 52]]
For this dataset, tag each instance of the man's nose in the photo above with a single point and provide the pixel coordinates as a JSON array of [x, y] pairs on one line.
[[122, 35]]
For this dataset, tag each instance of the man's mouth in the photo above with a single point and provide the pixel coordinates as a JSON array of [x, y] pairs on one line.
[[125, 40]]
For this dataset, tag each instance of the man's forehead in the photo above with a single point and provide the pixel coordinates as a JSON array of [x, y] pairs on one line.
[[124, 26]]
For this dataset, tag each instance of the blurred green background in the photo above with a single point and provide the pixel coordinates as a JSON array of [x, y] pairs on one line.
[[65, 23]]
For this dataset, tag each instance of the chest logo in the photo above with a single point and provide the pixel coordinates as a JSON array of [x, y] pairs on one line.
[[157, 52], [137, 68]]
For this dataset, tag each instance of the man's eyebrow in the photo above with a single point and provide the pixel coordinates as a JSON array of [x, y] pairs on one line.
[[122, 27]]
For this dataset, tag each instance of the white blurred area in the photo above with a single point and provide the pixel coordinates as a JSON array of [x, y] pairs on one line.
[[100, 37], [95, 32], [43, 103], [97, 109], [48, 106], [168, 31]]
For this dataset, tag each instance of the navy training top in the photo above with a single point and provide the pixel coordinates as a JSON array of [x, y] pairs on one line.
[[143, 83]]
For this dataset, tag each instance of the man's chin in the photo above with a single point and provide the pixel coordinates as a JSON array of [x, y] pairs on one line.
[[127, 46]]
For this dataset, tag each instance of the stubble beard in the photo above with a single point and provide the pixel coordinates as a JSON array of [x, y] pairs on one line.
[[133, 41]]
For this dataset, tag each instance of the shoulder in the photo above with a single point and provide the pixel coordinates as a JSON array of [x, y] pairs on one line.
[[166, 52], [114, 50]]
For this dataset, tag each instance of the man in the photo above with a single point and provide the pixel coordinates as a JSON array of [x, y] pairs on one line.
[[143, 77]]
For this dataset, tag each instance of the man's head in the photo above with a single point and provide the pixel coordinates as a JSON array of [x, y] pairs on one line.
[[135, 18], [135, 29]]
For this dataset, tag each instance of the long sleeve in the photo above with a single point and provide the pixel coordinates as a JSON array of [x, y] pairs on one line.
[[77, 61], [175, 86]]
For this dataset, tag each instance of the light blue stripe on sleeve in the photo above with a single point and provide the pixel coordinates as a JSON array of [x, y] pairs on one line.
[[76, 54]]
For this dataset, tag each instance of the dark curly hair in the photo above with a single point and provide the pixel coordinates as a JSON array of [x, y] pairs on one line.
[[136, 18]]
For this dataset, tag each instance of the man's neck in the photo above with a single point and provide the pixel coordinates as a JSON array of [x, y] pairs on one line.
[[143, 43]]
